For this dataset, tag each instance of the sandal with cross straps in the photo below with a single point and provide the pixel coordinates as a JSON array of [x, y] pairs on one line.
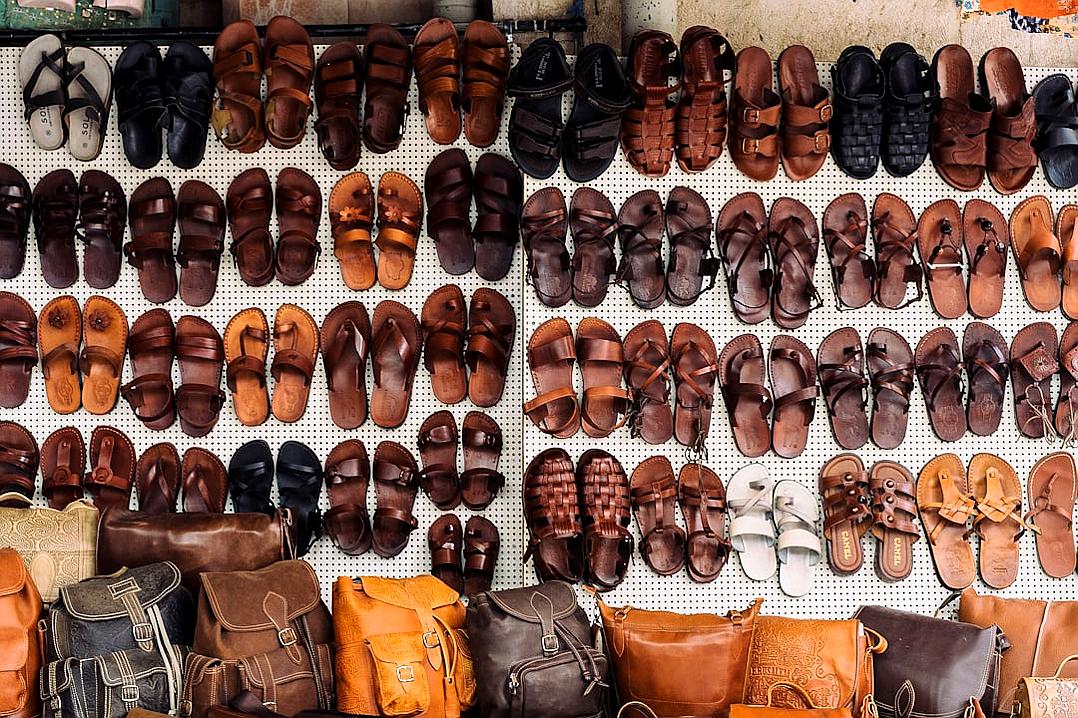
[[890, 371], [939, 372], [840, 361]]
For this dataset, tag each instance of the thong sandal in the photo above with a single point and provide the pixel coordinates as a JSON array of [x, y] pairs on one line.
[[752, 532], [985, 234], [654, 493], [692, 257], [396, 482], [438, 450], [443, 319], [492, 331], [157, 479], [200, 353], [641, 223], [1034, 352], [960, 122], [299, 486], [845, 235], [499, 196], [481, 441], [552, 513], [890, 371], [446, 544], [846, 509], [703, 502], [288, 62], [798, 545], [250, 478], [400, 212], [984, 354], [246, 345], [608, 544], [41, 74], [794, 241], [481, 546], [647, 376], [150, 393], [696, 370], [59, 336], [396, 343], [1066, 222], [893, 510], [601, 357], [205, 482], [995, 488], [544, 223], [945, 505], [237, 68], [1037, 253], [939, 372], [1066, 417], [742, 237], [840, 361], [448, 184], [351, 216], [102, 358], [594, 227], [63, 459], [1051, 512], [742, 377], [894, 234], [551, 355], [345, 340], [112, 458], [792, 371], [347, 476], [295, 349], [939, 239], [18, 460], [18, 349]]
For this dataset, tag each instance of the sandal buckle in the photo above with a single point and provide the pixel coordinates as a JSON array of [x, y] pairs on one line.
[[750, 114], [750, 146], [826, 112]]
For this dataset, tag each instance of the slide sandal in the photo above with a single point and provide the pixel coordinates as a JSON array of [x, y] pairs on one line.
[[752, 533], [799, 550]]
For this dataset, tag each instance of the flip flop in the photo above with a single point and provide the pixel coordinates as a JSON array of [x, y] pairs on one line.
[[796, 513], [396, 341], [205, 482], [752, 531], [345, 340], [157, 479]]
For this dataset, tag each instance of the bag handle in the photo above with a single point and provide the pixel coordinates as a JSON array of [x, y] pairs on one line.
[[880, 644], [1066, 660], [793, 687], [946, 602], [643, 708]]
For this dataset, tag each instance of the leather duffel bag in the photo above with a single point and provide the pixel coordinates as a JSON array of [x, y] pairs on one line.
[[142, 607], [534, 654], [20, 641], [932, 667], [637, 640], [264, 631], [195, 542], [1051, 697], [58, 547]]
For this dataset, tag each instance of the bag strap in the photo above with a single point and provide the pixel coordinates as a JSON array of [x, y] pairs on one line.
[[1066, 660], [946, 602], [793, 687], [643, 708]]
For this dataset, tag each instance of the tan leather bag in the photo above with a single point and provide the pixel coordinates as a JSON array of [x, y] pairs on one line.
[[20, 639], [58, 547], [830, 660], [401, 648], [1051, 697], [638, 640], [770, 710]]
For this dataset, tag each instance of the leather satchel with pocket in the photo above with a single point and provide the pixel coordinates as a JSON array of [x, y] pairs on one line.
[[932, 667], [637, 640], [56, 546], [534, 654], [264, 631], [771, 710], [1051, 697], [401, 648], [20, 640]]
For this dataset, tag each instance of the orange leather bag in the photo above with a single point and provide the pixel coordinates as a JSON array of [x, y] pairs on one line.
[[401, 648], [769, 710], [20, 641]]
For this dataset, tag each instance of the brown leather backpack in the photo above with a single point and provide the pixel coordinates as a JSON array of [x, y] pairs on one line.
[[20, 641], [265, 631]]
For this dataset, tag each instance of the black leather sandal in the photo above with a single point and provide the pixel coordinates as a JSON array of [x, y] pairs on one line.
[[250, 476], [1057, 130], [140, 104], [907, 109], [538, 81], [601, 95], [858, 120], [187, 77], [299, 486]]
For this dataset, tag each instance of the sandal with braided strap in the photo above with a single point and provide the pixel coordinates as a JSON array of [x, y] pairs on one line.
[[995, 488], [246, 346], [641, 223], [894, 234], [396, 483], [939, 240], [347, 475], [907, 109], [945, 506], [400, 213], [890, 371], [18, 349], [481, 546], [894, 507], [288, 62], [845, 236], [436, 57], [741, 235], [647, 376], [1051, 497], [985, 234], [150, 393], [594, 228], [438, 450], [846, 509], [692, 254], [840, 361], [538, 81], [696, 370], [608, 543], [485, 54], [18, 461], [157, 479], [112, 472], [552, 513], [984, 353], [551, 355], [237, 69], [600, 96], [794, 240], [647, 126], [481, 441], [605, 404], [351, 216], [707, 64], [797, 544], [857, 82], [1034, 360], [654, 492], [742, 377], [939, 372], [338, 84]]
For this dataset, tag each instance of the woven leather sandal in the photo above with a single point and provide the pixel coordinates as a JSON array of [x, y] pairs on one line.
[[961, 121], [647, 127], [707, 63], [552, 512], [907, 109], [857, 79], [608, 544]]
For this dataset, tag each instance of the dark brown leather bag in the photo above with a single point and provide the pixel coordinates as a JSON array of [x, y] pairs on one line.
[[20, 640], [195, 542], [684, 645]]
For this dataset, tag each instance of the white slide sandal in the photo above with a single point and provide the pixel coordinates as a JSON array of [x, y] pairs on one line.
[[752, 533], [41, 74], [89, 95], [797, 514]]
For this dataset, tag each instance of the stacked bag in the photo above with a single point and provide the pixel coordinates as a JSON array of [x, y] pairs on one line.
[[20, 646]]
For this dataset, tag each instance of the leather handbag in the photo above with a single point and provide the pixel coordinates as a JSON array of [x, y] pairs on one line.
[[142, 607], [401, 648], [1041, 636], [1051, 697], [637, 640], [534, 654], [770, 710], [195, 542], [932, 667], [264, 631], [111, 685], [20, 641], [831, 661], [56, 546]]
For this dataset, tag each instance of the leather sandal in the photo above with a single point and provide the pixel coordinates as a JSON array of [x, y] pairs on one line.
[[894, 235], [18, 461], [153, 220], [41, 75], [641, 223], [893, 509], [396, 482], [858, 84], [806, 110], [939, 372], [246, 346], [237, 69], [55, 207], [551, 355], [205, 482], [1066, 222], [481, 441], [840, 361], [250, 202], [544, 224], [845, 236], [1011, 159], [59, 336], [396, 342], [485, 56], [157, 479], [388, 76], [140, 103], [796, 513], [692, 254], [647, 376], [481, 547], [792, 371], [499, 196], [351, 216], [444, 322], [600, 95], [347, 522], [346, 341], [438, 439], [984, 231], [608, 544], [152, 345], [594, 228], [702, 499], [492, 331], [1034, 352], [288, 61], [88, 98], [1037, 252], [400, 213], [112, 468], [752, 529], [707, 63], [1056, 142], [984, 353], [14, 221], [995, 488], [754, 116], [605, 404], [890, 372], [552, 514], [295, 350], [1066, 415], [538, 81], [18, 349], [436, 57], [299, 208], [338, 84], [63, 459], [1051, 497], [742, 377], [202, 220], [445, 539], [102, 358], [945, 505], [939, 239], [250, 478], [794, 240], [654, 492], [741, 234], [187, 76], [200, 353], [696, 370], [961, 121], [907, 109], [448, 184], [299, 487], [102, 214], [846, 510], [647, 126]]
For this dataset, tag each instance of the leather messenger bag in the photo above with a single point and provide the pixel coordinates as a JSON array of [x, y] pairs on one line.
[[56, 546], [20, 641]]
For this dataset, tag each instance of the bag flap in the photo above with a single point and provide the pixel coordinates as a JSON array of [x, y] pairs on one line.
[[518, 602], [646, 619], [13, 573], [790, 649], [100, 598], [16, 643], [116, 668], [238, 598], [405, 592]]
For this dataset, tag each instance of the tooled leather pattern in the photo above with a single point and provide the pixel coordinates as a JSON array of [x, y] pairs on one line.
[[791, 652], [1051, 698], [58, 547]]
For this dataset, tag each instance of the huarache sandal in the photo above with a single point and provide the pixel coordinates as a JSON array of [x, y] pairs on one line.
[[858, 86], [400, 212], [153, 219], [295, 349], [1056, 142], [538, 81], [347, 476], [703, 502], [157, 479], [752, 531], [961, 121], [1037, 252], [985, 234], [707, 65], [436, 57], [742, 377], [846, 510], [200, 353], [18, 461], [793, 386], [1051, 512], [647, 126], [485, 56], [188, 86], [605, 405], [346, 340], [112, 468], [939, 239], [742, 237], [1066, 418], [647, 376], [1034, 353], [448, 184], [63, 459], [438, 450], [890, 371], [894, 234], [754, 116], [696, 370], [102, 214], [88, 90], [446, 543], [42, 71], [985, 355], [250, 478], [152, 345], [444, 330], [544, 223], [299, 208], [18, 349], [481, 546], [797, 545], [351, 216], [939, 372], [396, 341], [600, 95], [140, 103], [654, 492], [608, 544], [806, 110], [396, 482], [692, 255], [794, 241], [1011, 159], [59, 336], [481, 440], [641, 223], [995, 488], [250, 202], [299, 486], [389, 73], [492, 331], [205, 482], [594, 227], [840, 361], [945, 505], [14, 221], [1065, 226], [893, 510], [907, 109], [845, 236], [499, 196], [551, 355], [202, 219], [237, 69], [101, 362], [288, 60], [246, 346], [552, 513], [55, 208], [338, 84]]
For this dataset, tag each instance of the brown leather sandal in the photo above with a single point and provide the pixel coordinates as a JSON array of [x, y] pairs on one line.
[[481, 546], [605, 404], [1011, 160], [847, 513], [890, 372], [400, 213], [444, 319], [806, 110], [18, 461], [647, 127], [346, 340], [499, 196], [945, 506], [237, 69], [654, 493], [202, 219], [396, 482], [347, 476], [939, 239], [55, 209], [840, 361], [754, 116], [608, 544], [485, 54], [388, 75], [299, 208], [157, 479], [102, 215], [1066, 417], [894, 234], [492, 331], [939, 372], [995, 488], [200, 353], [893, 510], [15, 202], [646, 369], [845, 235], [984, 353], [544, 223], [961, 121], [1066, 221], [338, 85], [594, 228], [295, 350], [396, 340], [18, 349], [152, 215], [63, 459], [289, 66], [702, 498], [150, 392], [1034, 352], [448, 185], [742, 237], [742, 373], [984, 231], [794, 240], [205, 482], [1037, 253], [552, 513], [481, 440], [438, 440], [446, 543], [1051, 497], [551, 355], [246, 347], [792, 370], [102, 358], [351, 215], [692, 255], [250, 202], [112, 472], [641, 223], [696, 369], [707, 60], [436, 57]]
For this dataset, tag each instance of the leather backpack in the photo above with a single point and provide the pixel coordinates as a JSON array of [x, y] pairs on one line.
[[264, 631], [20, 642], [534, 654], [58, 547]]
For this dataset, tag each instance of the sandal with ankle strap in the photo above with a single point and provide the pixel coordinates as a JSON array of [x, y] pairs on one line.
[[338, 85], [890, 371], [551, 355], [646, 368], [552, 513], [742, 377], [741, 235], [939, 372], [485, 54], [249, 202], [794, 241], [250, 478], [641, 223], [388, 76], [299, 209], [481, 440], [347, 475], [299, 486], [703, 503], [201, 223], [692, 254], [396, 482], [894, 234], [600, 96], [845, 236], [696, 369], [648, 125], [707, 63], [237, 70], [445, 543], [439, 479], [200, 353], [840, 363], [984, 353], [654, 491], [150, 393], [594, 228], [544, 223], [605, 404], [608, 543], [112, 472], [288, 63], [152, 215]]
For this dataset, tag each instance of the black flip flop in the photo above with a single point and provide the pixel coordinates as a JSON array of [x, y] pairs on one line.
[[250, 476], [601, 95], [1057, 130], [538, 81], [299, 485]]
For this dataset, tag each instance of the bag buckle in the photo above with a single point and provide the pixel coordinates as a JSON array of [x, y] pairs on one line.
[[142, 632], [550, 643], [405, 673], [286, 636], [430, 640], [129, 694]]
